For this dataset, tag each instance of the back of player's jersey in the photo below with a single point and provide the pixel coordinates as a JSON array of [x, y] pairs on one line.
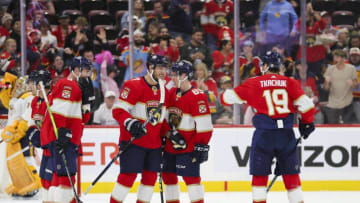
[[271, 94]]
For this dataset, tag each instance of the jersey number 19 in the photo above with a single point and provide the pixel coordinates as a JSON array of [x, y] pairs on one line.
[[276, 99]]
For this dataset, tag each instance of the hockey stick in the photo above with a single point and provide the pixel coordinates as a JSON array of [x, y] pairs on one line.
[[151, 117], [276, 176], [57, 136], [161, 186], [17, 153]]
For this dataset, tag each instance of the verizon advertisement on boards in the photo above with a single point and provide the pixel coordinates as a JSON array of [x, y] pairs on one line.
[[330, 153]]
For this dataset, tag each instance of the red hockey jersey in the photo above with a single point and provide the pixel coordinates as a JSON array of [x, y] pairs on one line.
[[8, 62], [190, 116], [273, 95], [214, 14], [38, 108], [137, 99], [65, 103]]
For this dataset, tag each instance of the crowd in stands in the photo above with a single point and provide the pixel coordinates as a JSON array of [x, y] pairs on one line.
[[201, 32]]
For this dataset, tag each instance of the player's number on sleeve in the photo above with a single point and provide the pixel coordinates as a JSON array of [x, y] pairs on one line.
[[277, 100]]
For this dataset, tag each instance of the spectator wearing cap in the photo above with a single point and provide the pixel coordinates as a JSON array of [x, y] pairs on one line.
[[62, 30], [103, 115], [340, 79], [140, 57], [108, 72], [227, 32], [224, 114], [48, 40], [180, 19], [206, 83], [138, 12], [249, 64], [80, 39], [33, 53], [223, 60], [196, 50], [5, 28], [277, 23], [8, 56], [354, 60]]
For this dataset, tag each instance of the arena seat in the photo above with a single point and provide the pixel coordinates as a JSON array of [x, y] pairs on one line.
[[73, 14], [89, 5], [350, 5], [62, 5], [343, 18], [117, 5], [100, 17], [118, 17], [325, 5]]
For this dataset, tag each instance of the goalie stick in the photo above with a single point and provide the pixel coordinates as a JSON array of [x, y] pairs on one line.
[[298, 141], [151, 117], [57, 135]]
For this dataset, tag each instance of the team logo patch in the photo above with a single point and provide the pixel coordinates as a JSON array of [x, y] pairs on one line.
[[175, 116], [66, 94], [202, 108], [125, 93], [151, 107]]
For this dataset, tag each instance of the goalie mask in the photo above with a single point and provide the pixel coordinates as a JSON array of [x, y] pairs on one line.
[[20, 86]]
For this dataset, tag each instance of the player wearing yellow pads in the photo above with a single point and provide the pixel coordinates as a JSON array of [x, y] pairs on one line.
[[24, 177]]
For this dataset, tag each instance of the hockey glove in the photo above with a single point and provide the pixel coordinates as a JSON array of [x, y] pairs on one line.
[[306, 129], [33, 134], [135, 127], [88, 96], [177, 140], [64, 138], [200, 153]]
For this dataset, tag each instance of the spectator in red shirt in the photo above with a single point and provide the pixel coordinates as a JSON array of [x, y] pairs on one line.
[[62, 30], [8, 56], [164, 48], [58, 69], [204, 82], [5, 28], [223, 60]]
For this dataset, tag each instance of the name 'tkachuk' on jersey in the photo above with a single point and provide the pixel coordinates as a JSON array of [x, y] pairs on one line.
[[190, 116], [273, 95]]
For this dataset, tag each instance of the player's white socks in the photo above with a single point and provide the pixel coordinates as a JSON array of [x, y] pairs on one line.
[[172, 193], [145, 192], [295, 195], [45, 195], [259, 193], [196, 192], [119, 192], [60, 194]]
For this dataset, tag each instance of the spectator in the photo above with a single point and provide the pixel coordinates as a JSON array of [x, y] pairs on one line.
[[340, 79], [152, 36], [80, 39], [108, 73], [103, 116], [5, 27], [224, 114], [342, 40], [158, 15], [123, 40], [179, 41], [165, 49], [204, 82], [62, 30], [16, 33], [227, 32], [277, 23], [95, 77], [354, 60], [213, 17], [138, 12], [223, 60], [58, 69], [140, 57], [8, 56], [329, 28], [163, 31], [47, 39], [196, 51], [357, 24], [180, 19], [310, 88], [315, 50], [249, 64], [33, 46], [354, 41]]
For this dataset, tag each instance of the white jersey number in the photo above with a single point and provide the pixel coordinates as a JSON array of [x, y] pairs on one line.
[[277, 100]]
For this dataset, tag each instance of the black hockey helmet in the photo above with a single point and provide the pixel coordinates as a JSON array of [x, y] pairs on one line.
[[157, 60], [80, 62], [44, 76], [273, 60], [183, 66]]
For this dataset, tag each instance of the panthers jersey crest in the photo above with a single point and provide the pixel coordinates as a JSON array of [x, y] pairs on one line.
[[175, 116], [151, 107]]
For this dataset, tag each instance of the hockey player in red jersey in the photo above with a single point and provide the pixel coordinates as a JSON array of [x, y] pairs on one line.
[[69, 104], [138, 98], [275, 99], [191, 129]]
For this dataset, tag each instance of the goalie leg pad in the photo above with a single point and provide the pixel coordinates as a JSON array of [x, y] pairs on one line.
[[293, 187], [259, 188], [71, 154], [195, 189], [24, 179], [122, 187], [172, 189]]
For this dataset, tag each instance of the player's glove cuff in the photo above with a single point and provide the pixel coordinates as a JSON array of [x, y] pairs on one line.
[[177, 140]]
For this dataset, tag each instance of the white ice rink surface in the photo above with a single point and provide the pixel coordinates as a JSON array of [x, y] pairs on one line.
[[226, 197]]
